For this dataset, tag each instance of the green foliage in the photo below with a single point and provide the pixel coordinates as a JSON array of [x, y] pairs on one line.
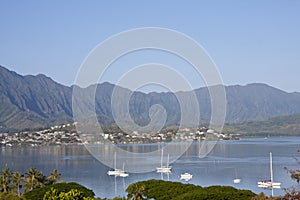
[[9, 196], [262, 196], [17, 180], [5, 180], [54, 176], [34, 179], [38, 101], [39, 193], [16, 183], [51, 195], [160, 190], [284, 125], [117, 198], [71, 195]]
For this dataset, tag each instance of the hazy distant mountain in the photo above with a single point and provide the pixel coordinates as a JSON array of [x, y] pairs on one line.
[[38, 101], [283, 125], [32, 101]]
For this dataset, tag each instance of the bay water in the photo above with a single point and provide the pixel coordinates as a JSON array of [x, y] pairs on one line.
[[246, 159]]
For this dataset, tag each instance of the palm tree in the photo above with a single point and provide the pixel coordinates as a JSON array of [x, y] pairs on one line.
[[17, 179], [5, 180], [54, 176], [34, 179], [135, 191]]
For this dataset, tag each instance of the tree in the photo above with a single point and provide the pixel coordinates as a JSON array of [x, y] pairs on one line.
[[262, 196], [294, 174], [136, 191], [161, 190], [17, 179], [293, 192], [5, 180], [51, 195], [34, 179], [73, 194], [39, 193], [54, 176]]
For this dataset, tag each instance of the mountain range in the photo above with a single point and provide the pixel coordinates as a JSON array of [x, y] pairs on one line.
[[28, 102]]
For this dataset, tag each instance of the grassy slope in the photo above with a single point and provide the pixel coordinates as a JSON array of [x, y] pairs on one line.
[[278, 126]]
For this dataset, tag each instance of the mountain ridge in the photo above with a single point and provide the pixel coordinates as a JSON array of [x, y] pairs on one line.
[[37, 101]]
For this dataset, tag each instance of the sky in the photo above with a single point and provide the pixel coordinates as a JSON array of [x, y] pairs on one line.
[[249, 41]]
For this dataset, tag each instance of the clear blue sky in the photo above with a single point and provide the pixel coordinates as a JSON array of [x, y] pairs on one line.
[[250, 41]]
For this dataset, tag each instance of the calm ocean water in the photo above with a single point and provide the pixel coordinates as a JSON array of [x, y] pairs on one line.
[[247, 159]]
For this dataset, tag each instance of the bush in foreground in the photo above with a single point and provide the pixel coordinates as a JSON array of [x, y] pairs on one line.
[[9, 196], [39, 193], [160, 190], [71, 195]]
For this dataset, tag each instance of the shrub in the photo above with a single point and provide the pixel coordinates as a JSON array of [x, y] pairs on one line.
[[9, 196], [38, 194], [159, 190]]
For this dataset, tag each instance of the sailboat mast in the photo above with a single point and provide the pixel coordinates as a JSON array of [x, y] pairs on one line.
[[271, 167], [115, 164], [162, 155]]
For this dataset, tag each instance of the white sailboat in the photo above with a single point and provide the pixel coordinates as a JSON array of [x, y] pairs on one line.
[[269, 183], [186, 176], [164, 169], [123, 173], [115, 172], [236, 180]]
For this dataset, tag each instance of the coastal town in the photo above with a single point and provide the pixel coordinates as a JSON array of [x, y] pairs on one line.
[[66, 134]]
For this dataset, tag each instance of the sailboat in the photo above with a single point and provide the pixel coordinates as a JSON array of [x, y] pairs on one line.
[[236, 180], [123, 173], [269, 183], [164, 169], [186, 176], [115, 172]]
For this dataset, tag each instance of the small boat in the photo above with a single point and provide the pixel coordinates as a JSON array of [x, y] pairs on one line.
[[186, 176], [269, 183], [236, 180], [123, 173], [163, 169], [115, 172]]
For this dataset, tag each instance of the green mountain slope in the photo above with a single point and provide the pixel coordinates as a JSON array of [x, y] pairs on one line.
[[38, 101], [283, 125]]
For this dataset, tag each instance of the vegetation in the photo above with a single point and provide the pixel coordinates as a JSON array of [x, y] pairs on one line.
[[38, 101], [14, 184], [59, 188], [72, 194], [294, 191], [262, 196], [284, 125], [160, 190], [33, 185]]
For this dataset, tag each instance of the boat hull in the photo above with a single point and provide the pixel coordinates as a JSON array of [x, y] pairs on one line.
[[237, 180], [268, 184], [115, 172], [163, 169]]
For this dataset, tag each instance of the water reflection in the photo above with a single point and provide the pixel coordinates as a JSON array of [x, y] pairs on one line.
[[248, 157]]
